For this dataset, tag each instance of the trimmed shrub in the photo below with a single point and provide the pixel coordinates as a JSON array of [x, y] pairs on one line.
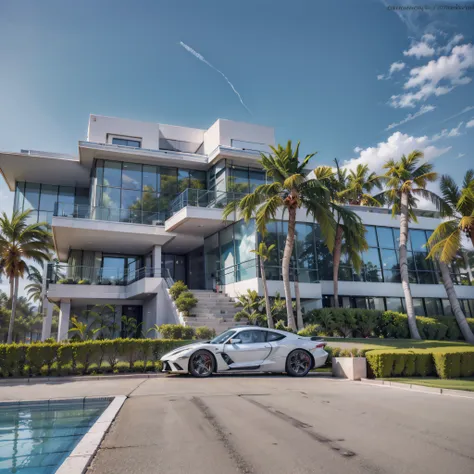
[[84, 281], [39, 355], [431, 328], [177, 288], [185, 302], [452, 362], [311, 330], [13, 360], [205, 333], [176, 331], [399, 362]]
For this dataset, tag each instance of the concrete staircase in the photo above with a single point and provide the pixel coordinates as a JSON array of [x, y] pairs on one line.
[[214, 310]]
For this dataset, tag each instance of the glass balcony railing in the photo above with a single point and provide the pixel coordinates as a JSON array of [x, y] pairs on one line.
[[86, 275], [203, 198], [110, 214]]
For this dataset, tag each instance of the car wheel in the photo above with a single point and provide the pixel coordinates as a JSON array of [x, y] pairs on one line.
[[298, 363], [201, 364]]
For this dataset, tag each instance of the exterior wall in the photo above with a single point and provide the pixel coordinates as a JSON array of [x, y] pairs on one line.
[[185, 134]]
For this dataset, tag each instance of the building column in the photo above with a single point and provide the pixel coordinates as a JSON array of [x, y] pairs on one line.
[[47, 319], [157, 261], [63, 326]]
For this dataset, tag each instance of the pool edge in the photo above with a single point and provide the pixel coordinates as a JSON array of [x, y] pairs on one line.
[[80, 458]]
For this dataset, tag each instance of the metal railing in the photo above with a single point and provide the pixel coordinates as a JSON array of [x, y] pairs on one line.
[[85, 211], [87, 275], [251, 269], [203, 198]]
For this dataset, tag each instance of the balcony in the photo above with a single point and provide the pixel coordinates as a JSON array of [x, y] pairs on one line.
[[203, 198], [129, 216]]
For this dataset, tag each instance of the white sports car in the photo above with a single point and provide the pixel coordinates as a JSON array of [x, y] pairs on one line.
[[248, 348]]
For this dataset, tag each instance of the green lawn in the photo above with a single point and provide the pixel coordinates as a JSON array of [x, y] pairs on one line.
[[466, 383], [374, 343]]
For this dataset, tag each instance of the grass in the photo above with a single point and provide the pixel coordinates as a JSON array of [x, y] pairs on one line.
[[466, 383], [374, 343]]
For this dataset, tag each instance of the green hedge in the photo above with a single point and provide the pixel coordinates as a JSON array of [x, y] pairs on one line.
[[446, 362], [354, 322], [84, 358]]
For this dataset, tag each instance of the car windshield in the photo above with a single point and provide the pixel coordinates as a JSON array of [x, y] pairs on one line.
[[221, 338]]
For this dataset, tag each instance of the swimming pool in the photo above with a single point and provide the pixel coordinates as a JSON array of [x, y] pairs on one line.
[[36, 437]]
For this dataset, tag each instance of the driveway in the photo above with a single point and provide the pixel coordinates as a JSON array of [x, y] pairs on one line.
[[276, 424]]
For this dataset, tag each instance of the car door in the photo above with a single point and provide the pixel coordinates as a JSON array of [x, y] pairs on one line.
[[250, 351]]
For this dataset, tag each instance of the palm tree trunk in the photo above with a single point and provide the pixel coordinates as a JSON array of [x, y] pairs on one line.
[[14, 293], [299, 314], [285, 266], [453, 300], [268, 308], [336, 260], [404, 267]]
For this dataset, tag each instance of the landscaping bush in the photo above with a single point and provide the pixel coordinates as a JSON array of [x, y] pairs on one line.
[[176, 331], [177, 288], [366, 321], [445, 362], [311, 330], [280, 325], [84, 281], [431, 328], [205, 333], [185, 302], [81, 358]]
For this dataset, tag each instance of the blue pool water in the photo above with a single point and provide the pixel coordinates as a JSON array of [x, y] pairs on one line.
[[36, 438]]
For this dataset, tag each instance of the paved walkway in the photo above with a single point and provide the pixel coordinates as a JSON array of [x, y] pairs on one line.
[[274, 424]]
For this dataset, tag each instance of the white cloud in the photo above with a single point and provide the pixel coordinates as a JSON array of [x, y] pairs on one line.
[[469, 124], [450, 69], [394, 67], [460, 155], [397, 144], [423, 110], [357, 149], [445, 133], [428, 37], [456, 39], [420, 50]]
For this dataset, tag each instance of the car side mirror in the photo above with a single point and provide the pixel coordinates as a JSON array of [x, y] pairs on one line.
[[235, 341]]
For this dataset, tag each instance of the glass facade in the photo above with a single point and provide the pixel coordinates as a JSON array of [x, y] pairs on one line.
[[131, 188], [423, 306], [43, 199]]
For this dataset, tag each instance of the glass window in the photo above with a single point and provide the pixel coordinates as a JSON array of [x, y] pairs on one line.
[[82, 197], [227, 253], [422, 263], [371, 266], [371, 236], [244, 244], [238, 181], [254, 336], [419, 308], [360, 302], [305, 252], [126, 142], [113, 269], [19, 196], [385, 237], [48, 197], [132, 176], [274, 336], [272, 265], [418, 240], [376, 303], [394, 304], [113, 174], [168, 181], [99, 172], [66, 194], [110, 198], [221, 338], [433, 307], [32, 194], [447, 308], [131, 200], [197, 179], [256, 178], [389, 259], [150, 178], [427, 278]]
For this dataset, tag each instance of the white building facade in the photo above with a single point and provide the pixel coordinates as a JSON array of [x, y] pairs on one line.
[[141, 206]]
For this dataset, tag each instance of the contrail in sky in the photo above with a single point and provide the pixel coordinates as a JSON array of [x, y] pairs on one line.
[[201, 58]]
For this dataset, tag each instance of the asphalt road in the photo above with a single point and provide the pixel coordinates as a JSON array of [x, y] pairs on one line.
[[280, 425]]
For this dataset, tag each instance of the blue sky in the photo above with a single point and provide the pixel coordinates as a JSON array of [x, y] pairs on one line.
[[317, 71]]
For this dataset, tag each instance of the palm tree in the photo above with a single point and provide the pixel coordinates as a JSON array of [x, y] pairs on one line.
[[19, 241], [445, 243], [405, 181], [263, 254], [289, 191], [34, 290], [350, 239]]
